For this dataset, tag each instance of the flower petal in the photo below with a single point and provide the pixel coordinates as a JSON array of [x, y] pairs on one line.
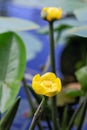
[[50, 94], [48, 84], [48, 76], [36, 82], [51, 13], [36, 85]]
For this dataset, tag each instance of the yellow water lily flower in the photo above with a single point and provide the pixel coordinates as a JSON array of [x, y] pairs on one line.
[[47, 84], [51, 13]]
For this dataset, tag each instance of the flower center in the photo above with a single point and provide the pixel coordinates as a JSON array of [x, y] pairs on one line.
[[47, 84]]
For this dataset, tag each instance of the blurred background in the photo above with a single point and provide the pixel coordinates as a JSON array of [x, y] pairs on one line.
[[37, 43]]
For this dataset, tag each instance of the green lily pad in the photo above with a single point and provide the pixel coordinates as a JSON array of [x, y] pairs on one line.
[[32, 44], [67, 5], [16, 24], [81, 14]]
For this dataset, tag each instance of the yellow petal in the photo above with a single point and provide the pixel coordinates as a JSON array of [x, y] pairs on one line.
[[51, 13], [50, 94], [36, 82], [59, 13], [36, 85], [48, 76], [48, 84]]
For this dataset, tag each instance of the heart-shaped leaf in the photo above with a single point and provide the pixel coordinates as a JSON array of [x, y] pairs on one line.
[[12, 66]]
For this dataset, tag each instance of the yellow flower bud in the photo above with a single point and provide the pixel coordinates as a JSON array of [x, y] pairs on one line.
[[51, 13], [47, 84]]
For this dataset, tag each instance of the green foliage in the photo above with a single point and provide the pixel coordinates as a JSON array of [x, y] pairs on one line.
[[74, 92], [65, 28], [15, 24], [29, 39], [7, 119], [12, 66], [78, 116], [81, 115], [37, 97], [81, 76], [60, 25]]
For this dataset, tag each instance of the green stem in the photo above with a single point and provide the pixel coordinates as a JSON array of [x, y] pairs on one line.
[[74, 116], [26, 87], [48, 122], [52, 48], [64, 118], [0, 115], [37, 114], [52, 59], [7, 119], [28, 95], [82, 115]]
